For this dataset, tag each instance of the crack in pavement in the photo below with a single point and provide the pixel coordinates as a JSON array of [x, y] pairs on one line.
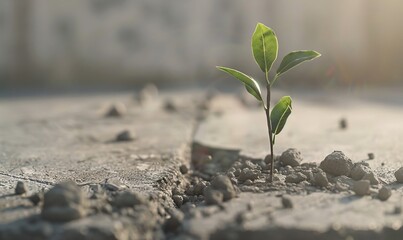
[[28, 179]]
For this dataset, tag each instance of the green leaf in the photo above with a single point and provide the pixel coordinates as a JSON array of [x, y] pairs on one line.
[[250, 84], [264, 47], [280, 113], [295, 58]]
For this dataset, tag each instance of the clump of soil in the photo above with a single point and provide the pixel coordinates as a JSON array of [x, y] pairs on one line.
[[64, 202]]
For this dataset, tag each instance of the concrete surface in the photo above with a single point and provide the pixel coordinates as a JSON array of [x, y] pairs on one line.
[[44, 141]]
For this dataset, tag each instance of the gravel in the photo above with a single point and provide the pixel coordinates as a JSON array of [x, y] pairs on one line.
[[384, 193], [295, 178], [224, 185], [359, 171], [213, 197], [320, 179], [64, 202], [337, 164], [129, 199], [124, 136], [371, 178], [248, 174], [286, 202], [116, 110], [291, 157], [361, 187], [183, 169], [20, 188]]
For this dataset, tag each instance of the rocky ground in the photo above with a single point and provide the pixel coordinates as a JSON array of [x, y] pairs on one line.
[[194, 165]]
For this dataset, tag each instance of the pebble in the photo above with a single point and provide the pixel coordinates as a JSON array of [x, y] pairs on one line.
[[223, 184], [199, 188], [175, 221], [178, 200], [286, 201], [129, 199], [384, 193], [124, 136], [20, 188], [213, 197], [295, 178], [248, 182], [36, 198], [308, 174], [291, 157], [359, 171], [399, 175], [116, 110], [372, 178], [343, 123], [183, 169], [64, 202], [337, 164], [371, 156], [169, 106], [361, 187], [247, 174], [231, 175], [320, 179]]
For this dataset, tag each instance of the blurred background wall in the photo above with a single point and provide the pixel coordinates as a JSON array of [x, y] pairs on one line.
[[59, 43]]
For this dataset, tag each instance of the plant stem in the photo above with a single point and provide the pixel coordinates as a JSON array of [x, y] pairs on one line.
[[270, 131]]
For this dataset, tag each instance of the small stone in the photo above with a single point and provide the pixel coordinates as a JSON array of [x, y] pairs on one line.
[[288, 169], [248, 182], [286, 201], [267, 159], [36, 198], [129, 199], [384, 193], [295, 178], [175, 221], [343, 123], [169, 106], [308, 174], [198, 188], [116, 110], [20, 188], [337, 164], [291, 157], [148, 94], [64, 202], [247, 174], [399, 175], [344, 181], [361, 187], [224, 185], [231, 175], [124, 136], [359, 171], [178, 200], [213, 197], [237, 172], [371, 156], [183, 169], [372, 178], [320, 179]]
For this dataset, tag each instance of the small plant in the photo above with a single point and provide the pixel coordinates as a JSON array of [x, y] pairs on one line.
[[265, 49]]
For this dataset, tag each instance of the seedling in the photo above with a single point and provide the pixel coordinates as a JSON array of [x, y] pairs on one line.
[[265, 50]]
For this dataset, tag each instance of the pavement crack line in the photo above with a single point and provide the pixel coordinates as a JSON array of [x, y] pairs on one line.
[[28, 179]]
